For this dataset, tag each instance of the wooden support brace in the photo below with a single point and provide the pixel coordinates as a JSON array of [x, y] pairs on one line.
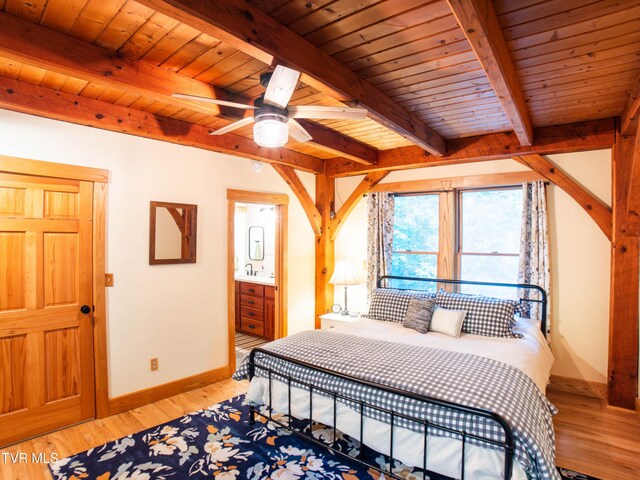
[[289, 175], [597, 209], [367, 183]]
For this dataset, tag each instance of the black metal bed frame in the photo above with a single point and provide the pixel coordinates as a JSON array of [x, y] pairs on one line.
[[507, 446], [523, 286]]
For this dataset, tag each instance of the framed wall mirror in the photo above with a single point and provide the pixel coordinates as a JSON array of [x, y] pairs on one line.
[[256, 243], [172, 233]]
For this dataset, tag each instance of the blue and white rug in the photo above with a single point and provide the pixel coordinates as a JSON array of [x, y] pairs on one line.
[[219, 443]]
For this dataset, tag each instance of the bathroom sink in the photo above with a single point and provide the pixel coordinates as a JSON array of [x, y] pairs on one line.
[[255, 279]]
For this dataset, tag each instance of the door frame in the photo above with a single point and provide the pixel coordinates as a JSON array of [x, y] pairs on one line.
[[100, 179], [281, 203]]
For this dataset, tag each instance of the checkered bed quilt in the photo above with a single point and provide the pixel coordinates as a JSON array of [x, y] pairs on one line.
[[451, 376]]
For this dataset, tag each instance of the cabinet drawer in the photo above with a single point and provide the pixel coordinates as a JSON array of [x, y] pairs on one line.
[[252, 289], [247, 312], [251, 326], [252, 302]]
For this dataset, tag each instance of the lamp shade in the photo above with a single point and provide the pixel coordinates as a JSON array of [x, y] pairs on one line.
[[344, 273]]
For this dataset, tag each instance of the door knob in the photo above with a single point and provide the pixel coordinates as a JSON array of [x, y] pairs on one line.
[[85, 309]]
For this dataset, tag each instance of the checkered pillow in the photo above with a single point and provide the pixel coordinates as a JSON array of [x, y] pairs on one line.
[[522, 308], [488, 316], [390, 304]]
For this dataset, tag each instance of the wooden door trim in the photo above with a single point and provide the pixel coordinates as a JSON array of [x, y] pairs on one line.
[[281, 202], [99, 300], [23, 166], [248, 196]]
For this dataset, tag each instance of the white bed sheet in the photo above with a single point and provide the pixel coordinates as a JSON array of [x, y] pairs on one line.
[[530, 354]]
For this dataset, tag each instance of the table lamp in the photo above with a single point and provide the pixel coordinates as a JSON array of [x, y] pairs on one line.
[[344, 274]]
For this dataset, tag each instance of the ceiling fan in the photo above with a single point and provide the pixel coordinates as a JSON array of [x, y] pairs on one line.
[[274, 120]]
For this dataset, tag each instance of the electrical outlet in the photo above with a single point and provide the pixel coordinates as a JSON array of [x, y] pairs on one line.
[[154, 364]]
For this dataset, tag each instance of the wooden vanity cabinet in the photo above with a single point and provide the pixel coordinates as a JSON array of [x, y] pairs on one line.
[[255, 309]]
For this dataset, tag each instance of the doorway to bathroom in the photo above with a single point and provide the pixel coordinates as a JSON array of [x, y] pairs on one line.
[[256, 277]]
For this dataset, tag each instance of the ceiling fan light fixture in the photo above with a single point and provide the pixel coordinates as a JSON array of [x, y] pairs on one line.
[[271, 130]]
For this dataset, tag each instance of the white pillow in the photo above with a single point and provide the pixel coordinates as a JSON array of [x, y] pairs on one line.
[[446, 321]]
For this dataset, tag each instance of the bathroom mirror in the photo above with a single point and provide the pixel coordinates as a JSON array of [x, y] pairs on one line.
[[256, 243], [172, 233]]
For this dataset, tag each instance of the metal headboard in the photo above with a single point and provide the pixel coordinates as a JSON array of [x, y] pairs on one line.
[[525, 286]]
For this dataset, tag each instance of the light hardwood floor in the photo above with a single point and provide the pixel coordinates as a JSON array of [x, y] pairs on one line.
[[603, 442]]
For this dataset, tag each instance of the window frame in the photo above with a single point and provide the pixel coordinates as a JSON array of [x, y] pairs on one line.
[[458, 246], [449, 254], [411, 252]]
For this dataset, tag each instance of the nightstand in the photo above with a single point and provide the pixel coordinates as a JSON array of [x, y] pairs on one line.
[[330, 320]]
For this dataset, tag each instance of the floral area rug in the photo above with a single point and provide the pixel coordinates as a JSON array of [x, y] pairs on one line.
[[219, 443]]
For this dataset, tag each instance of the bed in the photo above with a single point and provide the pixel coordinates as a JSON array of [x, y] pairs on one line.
[[478, 406]]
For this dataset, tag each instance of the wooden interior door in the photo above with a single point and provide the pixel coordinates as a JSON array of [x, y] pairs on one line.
[[46, 341]]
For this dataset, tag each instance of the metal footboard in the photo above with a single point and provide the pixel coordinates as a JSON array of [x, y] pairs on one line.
[[507, 446]]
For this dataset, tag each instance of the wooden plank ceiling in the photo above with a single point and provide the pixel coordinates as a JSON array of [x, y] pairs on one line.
[[574, 60]]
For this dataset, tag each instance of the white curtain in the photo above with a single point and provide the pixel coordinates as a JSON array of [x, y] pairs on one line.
[[380, 210], [534, 249]]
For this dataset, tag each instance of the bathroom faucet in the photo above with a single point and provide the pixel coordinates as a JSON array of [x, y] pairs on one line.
[[250, 269]]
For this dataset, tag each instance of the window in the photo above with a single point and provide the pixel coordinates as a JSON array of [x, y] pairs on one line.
[[486, 245], [415, 238], [489, 238]]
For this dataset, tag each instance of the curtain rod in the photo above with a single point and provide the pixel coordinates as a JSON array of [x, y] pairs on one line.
[[469, 189]]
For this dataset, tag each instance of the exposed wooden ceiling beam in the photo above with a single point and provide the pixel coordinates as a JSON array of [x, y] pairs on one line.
[[456, 183], [35, 45], [596, 208], [255, 33], [629, 118], [571, 137], [41, 47], [340, 145], [45, 102], [479, 22]]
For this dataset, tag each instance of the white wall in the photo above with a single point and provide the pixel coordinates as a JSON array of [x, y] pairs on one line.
[[580, 257], [177, 313]]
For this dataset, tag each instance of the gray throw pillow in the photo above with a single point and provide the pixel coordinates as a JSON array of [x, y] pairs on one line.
[[419, 313]]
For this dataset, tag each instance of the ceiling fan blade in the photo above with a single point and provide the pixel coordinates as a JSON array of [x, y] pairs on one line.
[[319, 111], [215, 101], [232, 126], [297, 132], [281, 86]]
